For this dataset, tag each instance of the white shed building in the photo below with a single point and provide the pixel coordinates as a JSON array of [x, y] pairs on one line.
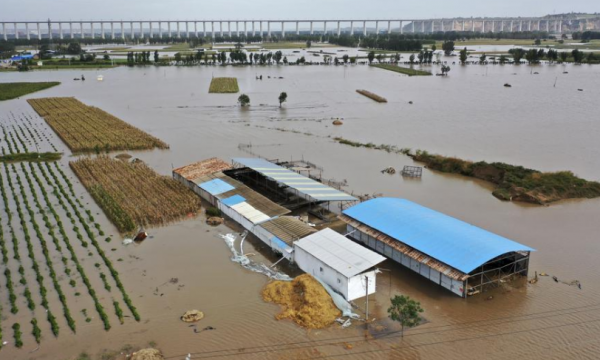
[[339, 262]]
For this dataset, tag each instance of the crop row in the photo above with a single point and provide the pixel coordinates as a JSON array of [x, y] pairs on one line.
[[45, 251], [74, 259], [87, 129], [133, 193], [95, 243], [39, 278]]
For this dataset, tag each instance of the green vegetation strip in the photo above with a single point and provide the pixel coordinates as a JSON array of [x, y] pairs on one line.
[[223, 85], [30, 157], [513, 183], [14, 90], [402, 70]]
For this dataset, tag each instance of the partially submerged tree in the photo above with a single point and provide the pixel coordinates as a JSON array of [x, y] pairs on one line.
[[371, 56], [243, 100], [448, 47], [463, 56], [405, 311], [282, 98]]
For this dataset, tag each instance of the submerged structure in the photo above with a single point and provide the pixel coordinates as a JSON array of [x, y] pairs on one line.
[[456, 255]]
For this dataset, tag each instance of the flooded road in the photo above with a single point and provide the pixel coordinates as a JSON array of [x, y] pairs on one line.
[[542, 122]]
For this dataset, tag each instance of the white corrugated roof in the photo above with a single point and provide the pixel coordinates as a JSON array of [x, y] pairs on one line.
[[250, 212], [338, 252]]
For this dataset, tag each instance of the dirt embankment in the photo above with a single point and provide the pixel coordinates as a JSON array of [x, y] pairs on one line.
[[516, 183], [304, 301]]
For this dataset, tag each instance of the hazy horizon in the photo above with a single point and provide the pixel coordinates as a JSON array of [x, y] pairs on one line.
[[36, 10]]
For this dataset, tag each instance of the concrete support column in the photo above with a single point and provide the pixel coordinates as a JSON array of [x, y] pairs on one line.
[[463, 25], [389, 31], [245, 29], [81, 32], [539, 25], [151, 30], [511, 26], [178, 31], [187, 29], [483, 26], [132, 30], [237, 29], [311, 28], [229, 28], [92, 30], [122, 31], [101, 30], [493, 26], [413, 26], [351, 27], [520, 26], [423, 27], [27, 31], [560, 26], [473, 25], [324, 27], [297, 28], [376, 27], [442, 25], [112, 30], [282, 30], [260, 29], [364, 28], [169, 29], [529, 26], [339, 29], [38, 30], [401, 28], [60, 32], [204, 28], [547, 25], [502, 26], [212, 29], [253, 29], [196, 29], [268, 29], [221, 27], [4, 31]]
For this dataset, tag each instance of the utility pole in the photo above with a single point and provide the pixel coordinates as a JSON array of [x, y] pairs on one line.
[[367, 294]]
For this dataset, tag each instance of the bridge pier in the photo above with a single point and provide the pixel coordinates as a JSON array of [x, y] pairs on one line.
[[325, 28], [364, 28], [351, 27], [432, 26], [112, 30], [178, 31], [401, 28], [377, 28], [282, 30], [339, 29], [253, 30], [311, 28], [229, 28], [483, 26], [423, 27], [268, 29]]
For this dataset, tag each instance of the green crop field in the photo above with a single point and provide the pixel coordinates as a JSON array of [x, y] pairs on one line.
[[402, 70], [223, 85], [14, 90]]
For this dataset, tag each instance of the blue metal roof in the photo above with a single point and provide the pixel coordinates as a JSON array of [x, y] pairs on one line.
[[451, 241], [216, 187], [233, 200], [302, 184]]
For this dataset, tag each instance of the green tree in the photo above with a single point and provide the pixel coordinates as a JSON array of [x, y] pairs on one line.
[[155, 56], [445, 69], [345, 58], [278, 56], [282, 98], [482, 58], [537, 42], [590, 57], [433, 47], [243, 100], [411, 58], [371, 56], [74, 48], [563, 56], [463, 56], [106, 57], [178, 58], [448, 47], [405, 311], [308, 44], [502, 59], [577, 56]]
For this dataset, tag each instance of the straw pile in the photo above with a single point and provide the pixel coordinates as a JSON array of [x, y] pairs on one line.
[[304, 301], [147, 354], [373, 96]]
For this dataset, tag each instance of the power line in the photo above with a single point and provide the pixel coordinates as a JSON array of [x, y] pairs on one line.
[[336, 341]]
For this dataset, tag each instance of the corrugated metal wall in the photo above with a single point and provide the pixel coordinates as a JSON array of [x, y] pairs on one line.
[[456, 286]]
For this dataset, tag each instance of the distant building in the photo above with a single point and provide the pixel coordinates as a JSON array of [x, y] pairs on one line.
[[458, 256]]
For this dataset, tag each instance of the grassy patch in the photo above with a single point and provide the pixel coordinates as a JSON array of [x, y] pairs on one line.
[[88, 129], [223, 85], [512, 182], [402, 70], [35, 157], [373, 96], [14, 90]]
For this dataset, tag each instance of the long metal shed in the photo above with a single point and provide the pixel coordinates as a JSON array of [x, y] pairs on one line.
[[459, 256]]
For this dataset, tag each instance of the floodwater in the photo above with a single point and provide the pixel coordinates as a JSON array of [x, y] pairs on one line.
[[542, 122]]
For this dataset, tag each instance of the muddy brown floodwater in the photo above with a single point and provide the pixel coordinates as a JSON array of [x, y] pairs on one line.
[[469, 114]]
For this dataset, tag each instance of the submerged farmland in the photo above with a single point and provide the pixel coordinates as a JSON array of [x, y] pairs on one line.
[[89, 129], [132, 194]]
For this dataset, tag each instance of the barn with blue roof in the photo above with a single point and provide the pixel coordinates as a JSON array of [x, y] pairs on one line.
[[458, 256]]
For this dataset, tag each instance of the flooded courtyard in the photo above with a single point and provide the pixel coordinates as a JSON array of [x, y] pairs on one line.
[[546, 121]]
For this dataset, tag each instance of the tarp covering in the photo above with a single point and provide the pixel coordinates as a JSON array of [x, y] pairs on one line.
[[216, 187], [234, 200], [312, 188], [451, 241]]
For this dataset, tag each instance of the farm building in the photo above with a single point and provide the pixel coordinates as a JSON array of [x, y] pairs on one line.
[[458, 256], [347, 267]]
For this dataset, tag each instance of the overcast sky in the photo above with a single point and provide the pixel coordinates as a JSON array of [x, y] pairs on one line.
[[11, 10]]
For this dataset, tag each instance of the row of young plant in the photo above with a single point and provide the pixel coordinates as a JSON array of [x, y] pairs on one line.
[[39, 278], [45, 251], [7, 141], [74, 259], [21, 141], [92, 238], [45, 136]]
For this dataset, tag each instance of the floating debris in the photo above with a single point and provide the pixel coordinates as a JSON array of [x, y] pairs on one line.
[[147, 354], [192, 316], [507, 85]]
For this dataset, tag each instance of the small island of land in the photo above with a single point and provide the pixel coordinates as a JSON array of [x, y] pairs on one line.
[[10, 91], [223, 85]]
